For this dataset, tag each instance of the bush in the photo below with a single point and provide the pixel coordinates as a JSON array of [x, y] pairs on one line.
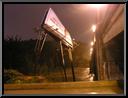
[[13, 76], [10, 75]]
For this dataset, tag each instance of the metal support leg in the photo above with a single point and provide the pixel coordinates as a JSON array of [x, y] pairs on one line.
[[40, 42], [71, 60], [45, 36], [63, 62], [39, 38], [39, 46]]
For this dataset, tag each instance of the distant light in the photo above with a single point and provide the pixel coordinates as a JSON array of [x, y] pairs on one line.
[[93, 28], [93, 93], [92, 77], [92, 43], [96, 5], [90, 53], [91, 49], [73, 39]]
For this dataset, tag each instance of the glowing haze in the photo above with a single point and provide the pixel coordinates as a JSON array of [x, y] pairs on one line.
[[20, 19]]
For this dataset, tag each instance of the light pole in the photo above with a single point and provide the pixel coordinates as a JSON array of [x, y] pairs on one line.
[[93, 65], [94, 39], [98, 41], [94, 33]]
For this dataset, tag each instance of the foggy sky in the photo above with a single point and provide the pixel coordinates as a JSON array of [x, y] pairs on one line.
[[20, 19]]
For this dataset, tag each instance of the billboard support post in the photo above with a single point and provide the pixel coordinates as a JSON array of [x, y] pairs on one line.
[[39, 46], [55, 28], [45, 36], [71, 60], [40, 42], [63, 62]]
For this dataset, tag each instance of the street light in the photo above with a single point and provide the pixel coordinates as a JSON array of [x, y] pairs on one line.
[[94, 31], [92, 43], [91, 50], [90, 53], [97, 40], [97, 5], [93, 28]]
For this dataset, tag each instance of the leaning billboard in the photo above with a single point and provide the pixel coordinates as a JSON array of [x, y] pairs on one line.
[[53, 25]]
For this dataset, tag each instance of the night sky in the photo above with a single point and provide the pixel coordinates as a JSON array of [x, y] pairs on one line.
[[20, 19]]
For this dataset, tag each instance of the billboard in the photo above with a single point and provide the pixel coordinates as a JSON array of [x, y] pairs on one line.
[[53, 25]]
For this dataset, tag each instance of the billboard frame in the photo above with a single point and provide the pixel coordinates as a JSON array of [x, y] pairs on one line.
[[54, 30]]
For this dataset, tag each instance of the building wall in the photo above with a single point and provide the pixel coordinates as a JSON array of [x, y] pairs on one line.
[[114, 62], [109, 47]]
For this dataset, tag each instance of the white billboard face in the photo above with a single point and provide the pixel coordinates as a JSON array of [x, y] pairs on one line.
[[54, 26]]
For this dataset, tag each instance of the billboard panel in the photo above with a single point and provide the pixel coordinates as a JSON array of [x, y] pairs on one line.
[[52, 24]]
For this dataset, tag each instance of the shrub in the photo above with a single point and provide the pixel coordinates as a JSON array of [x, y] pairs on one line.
[[10, 75]]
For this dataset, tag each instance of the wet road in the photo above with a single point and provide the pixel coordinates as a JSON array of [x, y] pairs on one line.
[[84, 85], [95, 87], [106, 90], [81, 74]]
